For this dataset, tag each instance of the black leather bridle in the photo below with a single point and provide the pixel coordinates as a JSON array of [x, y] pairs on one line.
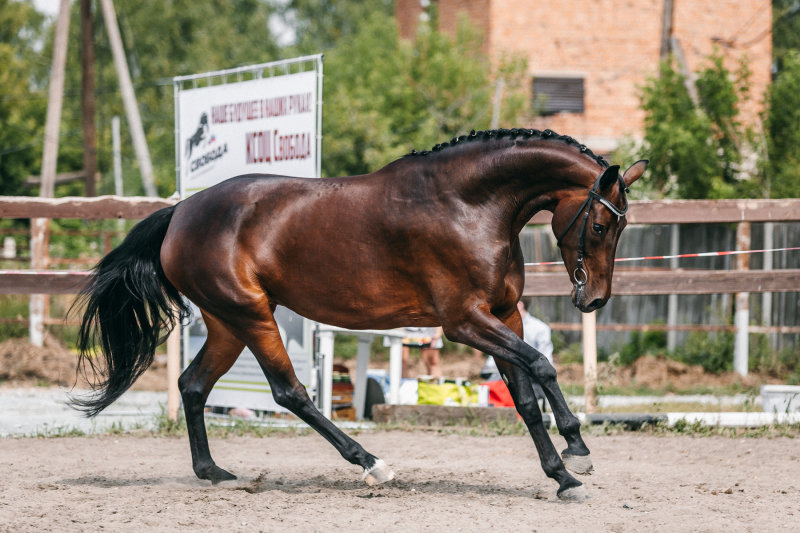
[[579, 275]]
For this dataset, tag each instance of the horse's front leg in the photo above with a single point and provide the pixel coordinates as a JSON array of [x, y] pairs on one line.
[[521, 388], [484, 331]]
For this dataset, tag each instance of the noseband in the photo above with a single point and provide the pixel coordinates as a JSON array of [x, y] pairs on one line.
[[580, 275]]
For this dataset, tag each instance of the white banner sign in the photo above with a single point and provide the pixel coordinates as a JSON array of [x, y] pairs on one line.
[[266, 126]]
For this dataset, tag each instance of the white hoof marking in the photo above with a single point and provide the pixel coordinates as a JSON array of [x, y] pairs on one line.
[[574, 495], [580, 464], [379, 473]]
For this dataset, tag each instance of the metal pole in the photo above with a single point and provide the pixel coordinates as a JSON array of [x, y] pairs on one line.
[[40, 227], [320, 60], [129, 98]]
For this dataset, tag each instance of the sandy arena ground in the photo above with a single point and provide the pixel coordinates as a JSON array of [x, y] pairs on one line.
[[444, 483]]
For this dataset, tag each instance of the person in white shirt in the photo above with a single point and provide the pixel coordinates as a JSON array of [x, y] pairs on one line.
[[535, 333]]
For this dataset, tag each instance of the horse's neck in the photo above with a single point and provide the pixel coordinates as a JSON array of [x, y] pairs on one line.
[[521, 181]]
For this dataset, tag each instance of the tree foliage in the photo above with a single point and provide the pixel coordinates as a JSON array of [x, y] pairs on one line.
[[385, 95], [698, 149], [161, 38], [782, 125], [382, 95], [320, 25], [785, 30], [22, 102]]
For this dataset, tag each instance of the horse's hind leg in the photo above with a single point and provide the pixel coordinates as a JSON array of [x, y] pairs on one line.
[[263, 338], [214, 359]]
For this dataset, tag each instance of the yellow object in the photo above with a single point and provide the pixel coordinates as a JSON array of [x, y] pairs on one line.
[[447, 394]]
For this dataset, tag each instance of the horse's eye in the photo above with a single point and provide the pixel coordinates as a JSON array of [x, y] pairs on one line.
[[598, 228]]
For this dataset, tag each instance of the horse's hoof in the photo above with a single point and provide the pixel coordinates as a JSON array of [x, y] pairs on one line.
[[574, 494], [580, 464], [380, 473], [216, 475]]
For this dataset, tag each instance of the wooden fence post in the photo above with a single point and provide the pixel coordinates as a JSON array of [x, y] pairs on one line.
[[742, 315], [173, 371], [672, 299], [40, 227], [590, 361]]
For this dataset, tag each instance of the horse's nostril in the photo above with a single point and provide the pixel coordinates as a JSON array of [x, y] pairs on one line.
[[597, 304]]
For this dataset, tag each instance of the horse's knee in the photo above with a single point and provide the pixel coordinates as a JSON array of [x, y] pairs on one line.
[[570, 427], [291, 398], [543, 371]]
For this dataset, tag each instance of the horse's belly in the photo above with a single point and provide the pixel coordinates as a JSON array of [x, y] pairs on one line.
[[354, 301]]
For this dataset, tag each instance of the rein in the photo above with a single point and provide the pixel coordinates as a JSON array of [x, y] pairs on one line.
[[580, 275]]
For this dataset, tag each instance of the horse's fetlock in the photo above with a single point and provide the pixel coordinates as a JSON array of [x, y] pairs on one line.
[[571, 426]]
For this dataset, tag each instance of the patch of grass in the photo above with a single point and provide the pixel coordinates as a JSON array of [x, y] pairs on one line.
[[698, 429], [576, 389], [58, 432], [475, 428], [222, 427]]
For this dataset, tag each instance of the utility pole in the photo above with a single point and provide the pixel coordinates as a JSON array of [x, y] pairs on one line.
[[40, 227], [87, 99], [129, 98], [666, 27]]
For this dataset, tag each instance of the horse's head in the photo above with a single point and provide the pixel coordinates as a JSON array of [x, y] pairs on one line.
[[588, 227]]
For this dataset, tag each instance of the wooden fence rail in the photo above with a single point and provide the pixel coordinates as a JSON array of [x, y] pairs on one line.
[[537, 282]]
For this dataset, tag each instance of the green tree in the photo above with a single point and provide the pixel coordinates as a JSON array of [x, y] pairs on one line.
[[785, 30], [695, 149], [162, 39], [385, 95], [22, 100], [782, 125], [320, 25]]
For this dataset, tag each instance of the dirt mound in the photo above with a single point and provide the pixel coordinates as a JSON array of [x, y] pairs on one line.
[[657, 373], [647, 371], [25, 365]]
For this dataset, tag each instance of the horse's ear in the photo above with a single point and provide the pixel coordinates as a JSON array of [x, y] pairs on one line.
[[609, 177], [634, 172]]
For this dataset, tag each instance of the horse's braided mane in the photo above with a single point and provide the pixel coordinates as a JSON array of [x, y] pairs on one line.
[[512, 134]]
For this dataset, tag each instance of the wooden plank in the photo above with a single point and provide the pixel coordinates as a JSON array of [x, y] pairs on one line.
[[704, 211], [42, 283], [631, 282], [643, 212], [101, 207], [637, 282]]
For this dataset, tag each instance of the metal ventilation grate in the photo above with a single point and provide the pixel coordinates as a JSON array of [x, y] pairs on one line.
[[557, 95]]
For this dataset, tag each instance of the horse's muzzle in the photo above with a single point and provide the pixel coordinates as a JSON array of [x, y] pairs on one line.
[[583, 301]]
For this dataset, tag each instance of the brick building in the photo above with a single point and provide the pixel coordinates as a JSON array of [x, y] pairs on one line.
[[590, 56]]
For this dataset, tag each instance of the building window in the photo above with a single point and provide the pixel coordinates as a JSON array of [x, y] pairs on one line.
[[557, 95]]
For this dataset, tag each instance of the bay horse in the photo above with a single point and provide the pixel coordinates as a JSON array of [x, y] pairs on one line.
[[430, 239]]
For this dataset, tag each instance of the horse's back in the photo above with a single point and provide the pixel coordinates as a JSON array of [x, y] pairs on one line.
[[321, 247]]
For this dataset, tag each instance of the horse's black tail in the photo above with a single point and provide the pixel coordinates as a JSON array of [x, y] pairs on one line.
[[130, 309]]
